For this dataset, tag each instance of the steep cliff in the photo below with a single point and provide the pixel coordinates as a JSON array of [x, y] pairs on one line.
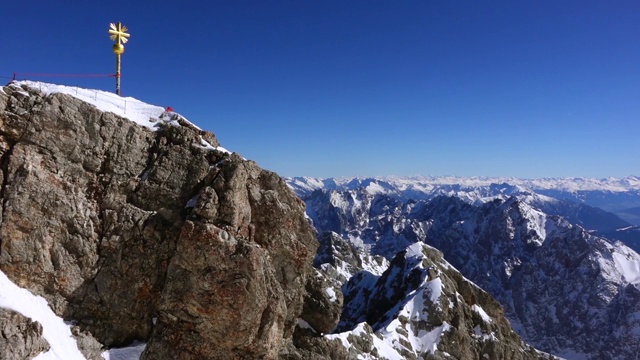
[[147, 231]]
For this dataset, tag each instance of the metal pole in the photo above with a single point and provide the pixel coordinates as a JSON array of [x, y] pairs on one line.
[[118, 74], [118, 34]]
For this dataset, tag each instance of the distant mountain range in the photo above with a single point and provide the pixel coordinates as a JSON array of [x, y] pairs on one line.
[[547, 250], [620, 196], [609, 206]]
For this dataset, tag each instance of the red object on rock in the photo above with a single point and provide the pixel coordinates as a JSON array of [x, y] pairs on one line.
[[169, 109]]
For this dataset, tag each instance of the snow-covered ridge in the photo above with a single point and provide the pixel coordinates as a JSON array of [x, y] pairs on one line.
[[127, 107], [535, 243], [130, 108]]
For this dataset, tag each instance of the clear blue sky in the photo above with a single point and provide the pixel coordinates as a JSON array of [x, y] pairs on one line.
[[323, 88]]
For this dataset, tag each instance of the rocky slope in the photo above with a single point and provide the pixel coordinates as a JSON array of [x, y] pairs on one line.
[[421, 307], [146, 234], [566, 291]]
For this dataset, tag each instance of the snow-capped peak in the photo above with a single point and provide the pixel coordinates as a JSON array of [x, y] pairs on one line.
[[427, 184]]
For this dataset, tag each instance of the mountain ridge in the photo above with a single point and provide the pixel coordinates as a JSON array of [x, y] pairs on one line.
[[613, 184], [620, 196], [506, 244]]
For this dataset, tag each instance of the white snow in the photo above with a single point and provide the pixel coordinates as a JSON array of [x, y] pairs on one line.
[[429, 340], [383, 346], [537, 221], [402, 329], [431, 184], [338, 201], [480, 311], [305, 325], [629, 266], [211, 147], [306, 184], [331, 293], [626, 228], [385, 350], [54, 330], [415, 250], [435, 290], [344, 335], [374, 188], [132, 352], [478, 333], [619, 264], [127, 107]]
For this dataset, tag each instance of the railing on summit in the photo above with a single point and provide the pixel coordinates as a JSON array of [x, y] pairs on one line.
[[85, 94], [31, 75]]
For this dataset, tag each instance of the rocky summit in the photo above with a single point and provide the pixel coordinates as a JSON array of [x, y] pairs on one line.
[[143, 234], [127, 232]]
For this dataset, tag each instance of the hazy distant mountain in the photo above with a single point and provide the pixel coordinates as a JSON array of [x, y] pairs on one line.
[[579, 186], [618, 196]]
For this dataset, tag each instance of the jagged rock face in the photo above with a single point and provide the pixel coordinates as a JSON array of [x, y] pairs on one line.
[[561, 287], [20, 338], [320, 315], [224, 286], [424, 308], [143, 235], [323, 303]]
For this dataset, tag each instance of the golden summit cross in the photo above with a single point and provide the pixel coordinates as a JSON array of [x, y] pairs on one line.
[[120, 36], [118, 33]]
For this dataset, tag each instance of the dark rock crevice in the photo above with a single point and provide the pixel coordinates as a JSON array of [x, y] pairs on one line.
[[5, 158]]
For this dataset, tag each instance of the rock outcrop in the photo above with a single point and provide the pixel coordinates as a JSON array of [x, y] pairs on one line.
[[149, 235], [421, 307], [20, 338]]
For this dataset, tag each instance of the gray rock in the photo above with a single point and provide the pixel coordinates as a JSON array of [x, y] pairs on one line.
[[322, 303], [306, 345], [20, 337], [87, 344]]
